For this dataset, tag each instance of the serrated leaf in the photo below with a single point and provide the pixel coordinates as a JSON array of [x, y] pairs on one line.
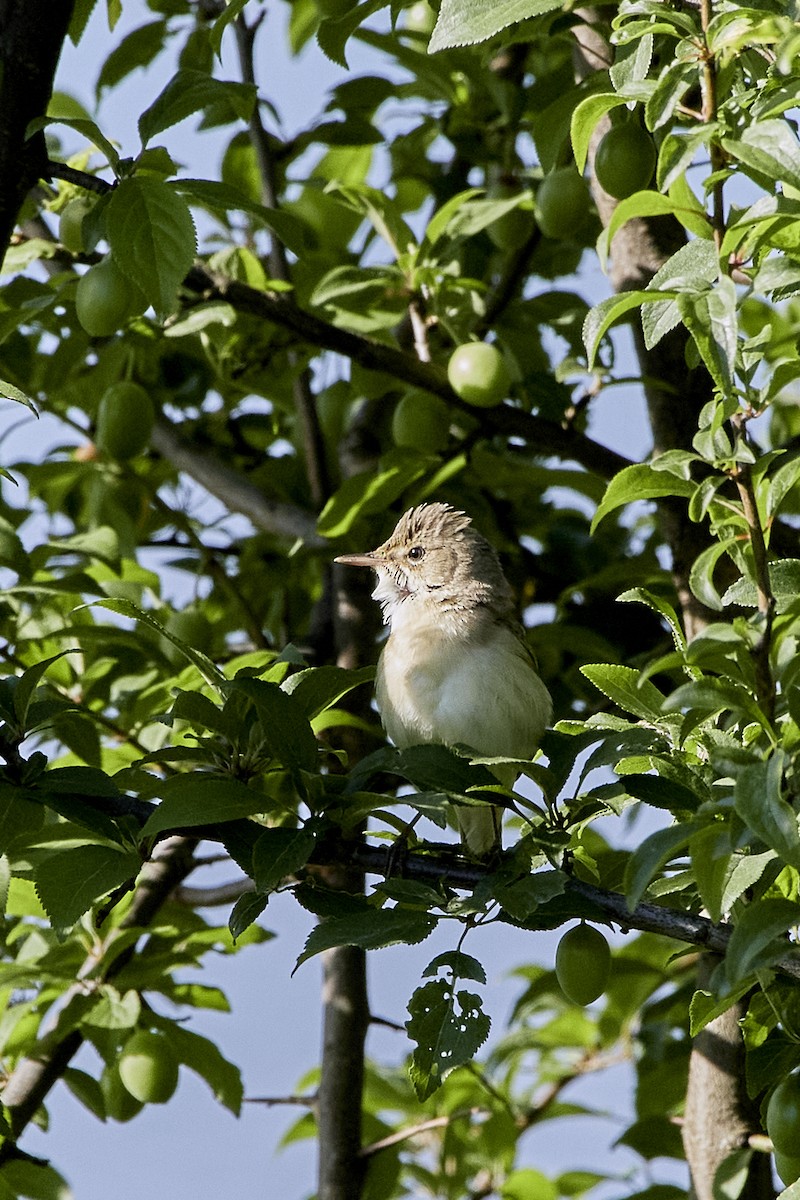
[[602, 316], [701, 576], [448, 1029], [19, 815], [114, 1011], [370, 930], [70, 881], [758, 939], [29, 681], [463, 966], [651, 856], [465, 22], [319, 688], [286, 732], [126, 608], [770, 149], [641, 481], [83, 126], [200, 799], [278, 854], [625, 686], [13, 393], [585, 118], [246, 910], [784, 578], [661, 606], [223, 197], [152, 238], [192, 91], [649, 203], [712, 695], [760, 804]]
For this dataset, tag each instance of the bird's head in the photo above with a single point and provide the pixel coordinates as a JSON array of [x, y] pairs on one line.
[[435, 559]]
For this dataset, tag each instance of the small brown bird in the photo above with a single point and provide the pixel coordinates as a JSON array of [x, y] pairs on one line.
[[456, 669]]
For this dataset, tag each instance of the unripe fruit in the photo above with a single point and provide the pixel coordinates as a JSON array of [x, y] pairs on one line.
[[70, 223], [148, 1067], [125, 421], [513, 229], [625, 160], [120, 1104], [562, 203], [478, 374], [783, 1116], [788, 1168], [105, 299], [419, 18], [421, 422], [583, 962]]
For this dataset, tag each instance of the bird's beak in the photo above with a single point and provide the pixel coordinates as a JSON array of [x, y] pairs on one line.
[[358, 560]]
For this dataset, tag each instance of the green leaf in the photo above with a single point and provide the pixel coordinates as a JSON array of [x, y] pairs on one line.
[[784, 578], [127, 608], [279, 854], [81, 125], [368, 493], [712, 320], [640, 482], [192, 91], [759, 802], [19, 815], [758, 939], [224, 198], [768, 150], [650, 204], [203, 1057], [70, 881], [152, 238], [711, 695], [200, 799], [661, 606], [28, 682], [602, 316], [625, 686], [448, 1028], [464, 22], [370, 930], [246, 910], [584, 120], [284, 727], [13, 393], [463, 966], [651, 856], [701, 576], [319, 688], [114, 1011]]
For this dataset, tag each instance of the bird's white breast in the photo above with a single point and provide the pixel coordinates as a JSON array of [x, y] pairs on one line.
[[481, 691]]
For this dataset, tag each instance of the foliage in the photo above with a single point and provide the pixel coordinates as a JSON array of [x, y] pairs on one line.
[[278, 312]]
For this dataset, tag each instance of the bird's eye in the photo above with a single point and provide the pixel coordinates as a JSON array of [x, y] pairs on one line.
[[416, 553]]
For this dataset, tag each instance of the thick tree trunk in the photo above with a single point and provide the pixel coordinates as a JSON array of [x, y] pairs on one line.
[[718, 1117], [32, 33]]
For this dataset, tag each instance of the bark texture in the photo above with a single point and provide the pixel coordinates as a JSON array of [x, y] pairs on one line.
[[32, 33]]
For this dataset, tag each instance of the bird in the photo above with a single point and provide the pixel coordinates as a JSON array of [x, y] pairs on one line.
[[455, 669]]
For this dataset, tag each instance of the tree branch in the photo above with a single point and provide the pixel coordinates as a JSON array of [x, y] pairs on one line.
[[33, 1077], [547, 436], [273, 516], [32, 33]]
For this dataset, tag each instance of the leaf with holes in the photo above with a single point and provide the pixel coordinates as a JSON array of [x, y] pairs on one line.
[[447, 1028]]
